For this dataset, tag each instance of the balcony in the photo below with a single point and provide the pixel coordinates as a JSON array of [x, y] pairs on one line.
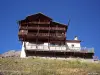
[[46, 35], [60, 48], [22, 34], [42, 28], [35, 22]]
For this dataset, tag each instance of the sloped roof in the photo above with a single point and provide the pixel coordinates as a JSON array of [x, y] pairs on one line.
[[38, 15], [73, 41], [58, 23]]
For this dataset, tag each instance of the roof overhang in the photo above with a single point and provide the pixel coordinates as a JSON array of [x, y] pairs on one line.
[[73, 41]]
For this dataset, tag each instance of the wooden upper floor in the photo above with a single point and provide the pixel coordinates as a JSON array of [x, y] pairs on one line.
[[42, 22], [41, 26]]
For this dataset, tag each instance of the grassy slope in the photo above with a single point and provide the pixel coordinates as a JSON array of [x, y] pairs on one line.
[[40, 66]]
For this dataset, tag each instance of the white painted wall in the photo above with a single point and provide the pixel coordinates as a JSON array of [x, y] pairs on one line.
[[76, 46], [23, 54], [44, 46]]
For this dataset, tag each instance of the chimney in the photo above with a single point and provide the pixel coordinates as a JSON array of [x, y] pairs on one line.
[[75, 38]]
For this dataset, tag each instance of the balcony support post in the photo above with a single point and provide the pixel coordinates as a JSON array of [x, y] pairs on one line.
[[49, 38], [37, 37]]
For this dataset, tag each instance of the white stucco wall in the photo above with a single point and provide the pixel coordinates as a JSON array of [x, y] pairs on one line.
[[76, 46], [44, 46], [23, 54]]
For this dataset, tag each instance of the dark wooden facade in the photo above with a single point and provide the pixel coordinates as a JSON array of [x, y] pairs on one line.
[[39, 28], [62, 54]]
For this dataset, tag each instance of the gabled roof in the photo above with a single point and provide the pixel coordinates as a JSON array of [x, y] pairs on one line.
[[59, 23], [38, 15]]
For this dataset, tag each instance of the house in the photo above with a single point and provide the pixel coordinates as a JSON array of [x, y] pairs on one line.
[[42, 36]]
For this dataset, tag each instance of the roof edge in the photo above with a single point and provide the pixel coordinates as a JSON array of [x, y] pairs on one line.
[[73, 41]]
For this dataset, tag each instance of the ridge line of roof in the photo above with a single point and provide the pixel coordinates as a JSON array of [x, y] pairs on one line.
[[40, 13]]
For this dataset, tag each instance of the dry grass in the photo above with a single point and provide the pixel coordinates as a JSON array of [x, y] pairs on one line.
[[40, 66]]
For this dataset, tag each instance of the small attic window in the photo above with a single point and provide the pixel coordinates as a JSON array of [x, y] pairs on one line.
[[72, 45]]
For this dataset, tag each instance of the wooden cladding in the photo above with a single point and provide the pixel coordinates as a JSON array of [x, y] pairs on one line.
[[41, 34], [60, 53], [35, 23], [42, 28]]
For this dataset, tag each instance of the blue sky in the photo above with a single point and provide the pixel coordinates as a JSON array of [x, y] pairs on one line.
[[84, 16]]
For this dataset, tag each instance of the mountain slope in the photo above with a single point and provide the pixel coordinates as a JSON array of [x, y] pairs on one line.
[[40, 66]]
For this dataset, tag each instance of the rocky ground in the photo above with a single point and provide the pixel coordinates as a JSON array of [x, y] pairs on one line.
[[11, 53]]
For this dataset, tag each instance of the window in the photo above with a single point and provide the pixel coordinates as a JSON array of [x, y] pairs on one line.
[[72, 45]]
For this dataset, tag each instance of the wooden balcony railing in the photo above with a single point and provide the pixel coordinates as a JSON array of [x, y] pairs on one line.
[[41, 34], [35, 22], [42, 28], [61, 48], [46, 34]]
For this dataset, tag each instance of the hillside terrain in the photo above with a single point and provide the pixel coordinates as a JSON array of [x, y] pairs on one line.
[[11, 53], [41, 66]]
